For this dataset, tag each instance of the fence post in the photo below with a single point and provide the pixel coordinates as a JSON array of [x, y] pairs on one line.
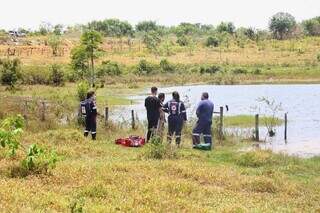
[[221, 124], [25, 112], [257, 128], [106, 116], [285, 126], [133, 123], [43, 113]]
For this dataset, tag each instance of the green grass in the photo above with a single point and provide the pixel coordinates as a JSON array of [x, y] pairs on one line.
[[248, 121], [104, 177]]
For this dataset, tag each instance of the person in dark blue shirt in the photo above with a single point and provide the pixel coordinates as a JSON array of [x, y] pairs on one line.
[[177, 116], [153, 106], [203, 125], [89, 109]]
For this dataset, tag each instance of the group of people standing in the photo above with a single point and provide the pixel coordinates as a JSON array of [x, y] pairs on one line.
[[177, 116], [156, 110]]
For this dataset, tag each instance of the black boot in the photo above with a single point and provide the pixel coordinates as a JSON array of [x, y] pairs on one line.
[[94, 136]]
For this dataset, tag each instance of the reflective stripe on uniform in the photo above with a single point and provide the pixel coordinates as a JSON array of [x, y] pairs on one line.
[[195, 134], [86, 131], [207, 136], [93, 132]]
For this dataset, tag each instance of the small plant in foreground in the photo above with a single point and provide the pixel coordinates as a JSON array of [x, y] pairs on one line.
[[155, 149], [36, 158]]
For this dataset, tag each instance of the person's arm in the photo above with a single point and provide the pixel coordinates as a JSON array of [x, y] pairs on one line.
[[183, 111], [94, 108], [165, 107], [198, 110]]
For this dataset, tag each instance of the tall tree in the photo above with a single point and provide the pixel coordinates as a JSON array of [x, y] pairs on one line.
[[281, 25], [88, 50]]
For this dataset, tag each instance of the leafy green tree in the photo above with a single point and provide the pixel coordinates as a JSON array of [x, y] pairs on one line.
[[10, 71], [152, 40], [109, 68], [312, 26], [87, 52], [56, 75], [212, 42], [227, 27], [112, 27], [183, 40], [80, 61], [185, 29], [282, 25], [250, 33], [57, 29], [54, 41], [147, 26]]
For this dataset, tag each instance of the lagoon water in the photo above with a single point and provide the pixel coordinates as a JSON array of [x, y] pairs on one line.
[[301, 102]]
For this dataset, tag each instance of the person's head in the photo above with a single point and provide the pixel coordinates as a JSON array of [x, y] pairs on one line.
[[205, 96], [154, 90], [161, 97], [176, 96], [90, 94]]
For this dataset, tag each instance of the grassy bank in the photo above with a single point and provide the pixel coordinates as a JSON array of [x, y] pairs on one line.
[[248, 121], [103, 177]]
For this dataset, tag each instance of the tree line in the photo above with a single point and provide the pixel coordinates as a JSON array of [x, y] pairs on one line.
[[281, 26]]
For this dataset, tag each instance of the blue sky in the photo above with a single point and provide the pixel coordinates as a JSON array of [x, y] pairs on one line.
[[254, 13]]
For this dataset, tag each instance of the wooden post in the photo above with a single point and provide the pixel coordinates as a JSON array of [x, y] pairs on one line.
[[221, 124], [43, 114], [257, 128], [285, 126], [106, 115], [25, 112], [133, 124]]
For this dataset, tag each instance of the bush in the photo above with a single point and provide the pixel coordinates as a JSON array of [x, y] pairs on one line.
[[109, 68], [56, 75], [166, 66], [36, 75], [10, 72], [155, 149], [257, 71], [212, 42], [209, 69], [144, 67], [239, 71], [257, 159], [318, 57], [183, 41], [82, 90]]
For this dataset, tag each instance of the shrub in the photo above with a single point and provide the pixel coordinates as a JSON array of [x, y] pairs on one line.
[[155, 149], [239, 71], [109, 68], [144, 67], [257, 71], [212, 42], [82, 90], [36, 75], [10, 72], [183, 41], [209, 69], [56, 75], [166, 66], [318, 57], [256, 159]]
